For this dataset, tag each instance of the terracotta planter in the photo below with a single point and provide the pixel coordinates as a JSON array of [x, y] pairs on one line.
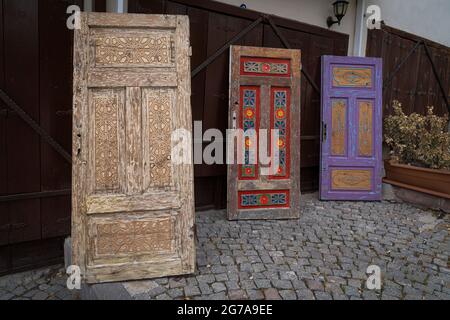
[[430, 181]]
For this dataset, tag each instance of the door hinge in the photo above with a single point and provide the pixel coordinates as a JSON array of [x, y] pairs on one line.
[[324, 131]]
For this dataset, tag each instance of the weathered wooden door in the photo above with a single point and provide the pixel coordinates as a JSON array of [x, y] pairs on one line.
[[265, 94], [133, 209], [351, 128]]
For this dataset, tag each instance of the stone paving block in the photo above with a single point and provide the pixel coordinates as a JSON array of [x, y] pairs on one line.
[[271, 294], [206, 278], [156, 291], [322, 255], [218, 287], [163, 296], [314, 285], [288, 294], [40, 295], [248, 284], [282, 284], [139, 287], [205, 288], [177, 282], [237, 295], [191, 290], [321, 295], [255, 294], [305, 294], [6, 296], [262, 283]]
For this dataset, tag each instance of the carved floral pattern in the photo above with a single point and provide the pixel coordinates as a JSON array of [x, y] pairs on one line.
[[352, 77], [365, 133], [134, 237], [106, 143], [160, 130], [134, 50], [338, 127]]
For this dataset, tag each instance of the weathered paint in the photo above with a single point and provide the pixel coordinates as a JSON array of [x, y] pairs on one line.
[[358, 168]]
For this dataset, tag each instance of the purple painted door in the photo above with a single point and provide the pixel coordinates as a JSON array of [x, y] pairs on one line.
[[351, 128]]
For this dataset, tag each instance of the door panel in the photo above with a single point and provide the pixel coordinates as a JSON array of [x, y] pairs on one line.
[[351, 128], [133, 208], [265, 94]]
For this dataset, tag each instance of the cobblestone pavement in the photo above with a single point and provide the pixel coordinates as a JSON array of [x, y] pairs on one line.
[[41, 284], [322, 255]]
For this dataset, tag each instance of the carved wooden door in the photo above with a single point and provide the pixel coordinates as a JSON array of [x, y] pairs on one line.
[[265, 94], [351, 128], [133, 209]]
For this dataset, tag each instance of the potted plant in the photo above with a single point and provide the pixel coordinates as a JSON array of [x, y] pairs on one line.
[[420, 152]]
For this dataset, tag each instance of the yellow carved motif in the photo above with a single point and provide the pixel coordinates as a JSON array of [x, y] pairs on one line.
[[338, 123], [357, 180], [352, 77], [365, 128]]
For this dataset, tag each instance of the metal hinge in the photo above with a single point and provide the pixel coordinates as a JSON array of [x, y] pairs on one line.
[[324, 131]]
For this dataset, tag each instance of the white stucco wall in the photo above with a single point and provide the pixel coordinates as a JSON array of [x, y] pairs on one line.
[[314, 12], [426, 18]]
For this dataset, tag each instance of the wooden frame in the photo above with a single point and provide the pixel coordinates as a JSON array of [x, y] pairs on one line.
[[348, 171], [266, 82], [157, 204]]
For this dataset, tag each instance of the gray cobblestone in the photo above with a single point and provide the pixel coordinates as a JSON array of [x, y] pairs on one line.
[[255, 294], [282, 284], [305, 294], [190, 291], [322, 255], [288, 294]]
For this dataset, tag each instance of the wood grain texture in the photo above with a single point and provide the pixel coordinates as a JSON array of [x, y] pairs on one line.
[[262, 191], [133, 209], [351, 179], [356, 174]]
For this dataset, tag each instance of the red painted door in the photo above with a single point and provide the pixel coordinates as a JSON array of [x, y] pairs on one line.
[[265, 94], [351, 128]]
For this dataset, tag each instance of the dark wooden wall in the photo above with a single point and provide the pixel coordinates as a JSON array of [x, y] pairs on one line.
[[415, 85], [36, 72], [212, 25]]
